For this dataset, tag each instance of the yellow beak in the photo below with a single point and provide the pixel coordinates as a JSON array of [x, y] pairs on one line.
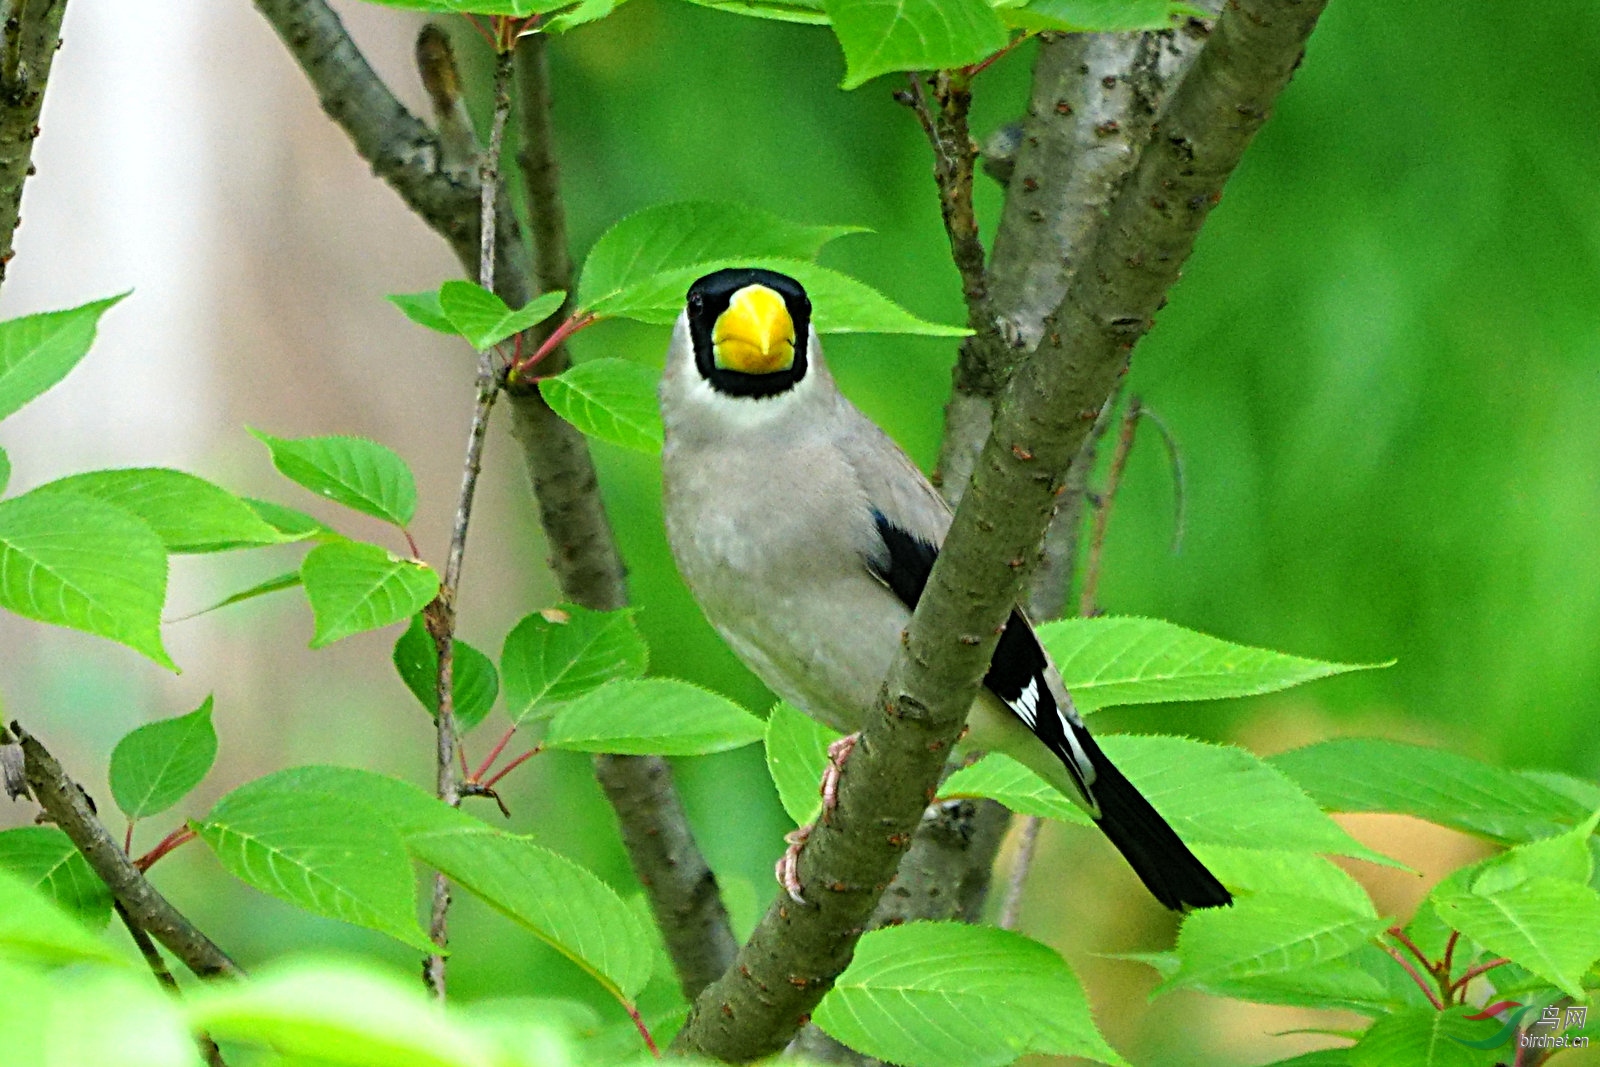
[[755, 335]]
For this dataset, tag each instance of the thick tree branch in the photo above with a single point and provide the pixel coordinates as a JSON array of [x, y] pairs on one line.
[[30, 34], [402, 151], [69, 808], [583, 550], [681, 889], [797, 951], [1093, 101]]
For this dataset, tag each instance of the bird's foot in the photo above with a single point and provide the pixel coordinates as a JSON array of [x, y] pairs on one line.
[[787, 870], [838, 752]]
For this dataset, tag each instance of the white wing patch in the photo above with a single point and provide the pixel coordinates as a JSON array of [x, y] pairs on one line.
[[1027, 703], [1079, 756]]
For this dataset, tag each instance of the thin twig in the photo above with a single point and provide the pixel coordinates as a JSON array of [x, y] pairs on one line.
[[147, 949], [583, 552], [644, 1031], [1470, 973], [513, 765], [176, 839], [1400, 935], [1102, 511], [1027, 841], [442, 612], [1416, 976], [163, 975], [69, 808], [1180, 494], [944, 123]]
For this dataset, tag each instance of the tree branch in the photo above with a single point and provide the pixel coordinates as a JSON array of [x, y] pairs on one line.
[[796, 952], [29, 37], [70, 809], [402, 151], [681, 889], [583, 550], [441, 613]]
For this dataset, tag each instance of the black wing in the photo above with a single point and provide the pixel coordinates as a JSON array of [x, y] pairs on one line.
[[1019, 675]]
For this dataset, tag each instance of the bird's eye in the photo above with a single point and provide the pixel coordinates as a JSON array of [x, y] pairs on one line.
[[696, 301]]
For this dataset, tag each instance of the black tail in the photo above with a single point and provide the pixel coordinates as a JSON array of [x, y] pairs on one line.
[[1161, 860]]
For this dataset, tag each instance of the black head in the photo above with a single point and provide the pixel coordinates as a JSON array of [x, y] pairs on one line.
[[749, 329]]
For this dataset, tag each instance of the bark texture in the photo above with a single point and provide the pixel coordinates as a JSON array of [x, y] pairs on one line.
[[69, 808], [30, 34]]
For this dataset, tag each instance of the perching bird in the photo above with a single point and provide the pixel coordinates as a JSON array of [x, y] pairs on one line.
[[806, 535]]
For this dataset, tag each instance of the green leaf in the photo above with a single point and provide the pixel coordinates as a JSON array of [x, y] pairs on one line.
[[336, 1013], [557, 655], [79, 562], [105, 1016], [670, 237], [157, 765], [48, 861], [611, 399], [189, 514], [402, 806], [954, 995], [1260, 871], [1111, 660], [352, 471], [1566, 856], [1425, 1037], [514, 8], [880, 36], [558, 901], [1266, 934], [5, 471], [328, 853], [797, 752], [1223, 795], [840, 304], [293, 524], [354, 587], [1364, 980], [276, 583], [585, 12], [423, 309], [474, 682], [652, 717], [32, 928], [484, 319], [1322, 1057], [1549, 926], [1352, 774], [1211, 794], [999, 777], [37, 351], [804, 12], [1097, 16]]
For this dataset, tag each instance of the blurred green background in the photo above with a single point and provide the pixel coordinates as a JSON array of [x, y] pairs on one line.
[[1382, 366]]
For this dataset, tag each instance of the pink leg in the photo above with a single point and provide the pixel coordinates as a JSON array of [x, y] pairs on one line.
[[788, 869], [838, 752]]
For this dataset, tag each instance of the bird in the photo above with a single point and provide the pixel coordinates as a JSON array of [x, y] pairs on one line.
[[806, 537]]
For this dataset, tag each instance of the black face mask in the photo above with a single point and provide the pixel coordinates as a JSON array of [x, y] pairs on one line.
[[709, 298]]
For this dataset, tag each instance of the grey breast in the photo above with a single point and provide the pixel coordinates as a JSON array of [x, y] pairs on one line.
[[770, 525]]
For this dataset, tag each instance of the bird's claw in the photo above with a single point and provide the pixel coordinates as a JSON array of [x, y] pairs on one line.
[[838, 752], [787, 870]]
